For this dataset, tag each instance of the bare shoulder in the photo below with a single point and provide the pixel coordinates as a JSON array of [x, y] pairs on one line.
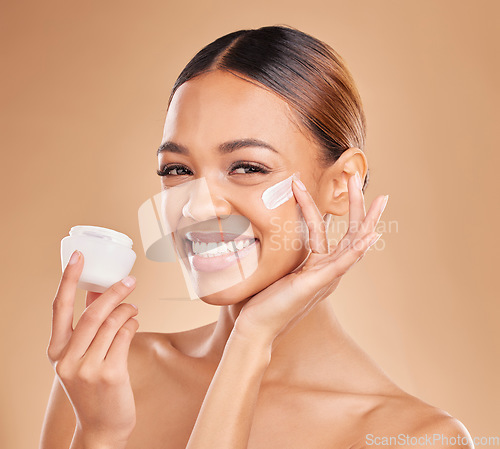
[[405, 421], [439, 429], [446, 431], [144, 353], [161, 352], [148, 351]]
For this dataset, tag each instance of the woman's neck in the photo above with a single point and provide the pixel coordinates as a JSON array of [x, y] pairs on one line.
[[314, 344]]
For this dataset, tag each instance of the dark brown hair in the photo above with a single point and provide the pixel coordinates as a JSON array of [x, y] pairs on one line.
[[304, 71]]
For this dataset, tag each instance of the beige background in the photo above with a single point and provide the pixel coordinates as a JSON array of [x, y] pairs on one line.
[[83, 92]]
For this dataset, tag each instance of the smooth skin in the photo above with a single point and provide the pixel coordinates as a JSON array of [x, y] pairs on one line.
[[276, 370]]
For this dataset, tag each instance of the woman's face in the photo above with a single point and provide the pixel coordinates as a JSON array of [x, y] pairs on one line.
[[217, 160]]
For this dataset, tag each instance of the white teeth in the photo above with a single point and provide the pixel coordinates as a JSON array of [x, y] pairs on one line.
[[215, 249], [199, 247]]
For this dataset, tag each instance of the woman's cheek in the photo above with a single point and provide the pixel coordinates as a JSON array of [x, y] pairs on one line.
[[275, 243], [275, 233], [287, 233]]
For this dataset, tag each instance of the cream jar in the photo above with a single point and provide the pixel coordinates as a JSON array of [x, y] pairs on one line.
[[108, 256]]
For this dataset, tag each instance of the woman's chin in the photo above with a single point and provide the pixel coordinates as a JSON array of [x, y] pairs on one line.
[[233, 294], [214, 292], [218, 299], [228, 296]]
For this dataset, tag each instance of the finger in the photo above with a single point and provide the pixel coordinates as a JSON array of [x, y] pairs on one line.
[[106, 333], [318, 240], [93, 317], [372, 218], [119, 350], [357, 211], [367, 226], [90, 297], [331, 269], [356, 241], [63, 304]]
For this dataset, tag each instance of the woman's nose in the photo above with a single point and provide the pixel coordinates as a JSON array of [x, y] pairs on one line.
[[205, 202]]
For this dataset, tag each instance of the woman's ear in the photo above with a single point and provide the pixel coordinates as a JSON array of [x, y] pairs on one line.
[[333, 191]]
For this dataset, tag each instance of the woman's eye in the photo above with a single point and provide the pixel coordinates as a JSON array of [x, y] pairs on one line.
[[173, 170], [239, 168], [243, 168]]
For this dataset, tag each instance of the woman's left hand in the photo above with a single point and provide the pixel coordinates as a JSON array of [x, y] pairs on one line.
[[276, 309]]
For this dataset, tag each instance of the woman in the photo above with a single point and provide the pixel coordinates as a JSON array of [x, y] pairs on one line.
[[276, 370]]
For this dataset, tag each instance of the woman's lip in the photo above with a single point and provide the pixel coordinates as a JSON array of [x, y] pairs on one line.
[[215, 236], [216, 263]]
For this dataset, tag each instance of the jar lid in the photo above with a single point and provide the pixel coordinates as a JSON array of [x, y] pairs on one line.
[[97, 231]]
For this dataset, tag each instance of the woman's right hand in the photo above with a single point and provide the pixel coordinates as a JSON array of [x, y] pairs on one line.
[[91, 359]]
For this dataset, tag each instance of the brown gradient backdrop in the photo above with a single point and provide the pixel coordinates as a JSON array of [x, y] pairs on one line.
[[84, 91]]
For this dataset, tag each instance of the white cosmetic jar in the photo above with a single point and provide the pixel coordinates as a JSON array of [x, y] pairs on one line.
[[108, 256]]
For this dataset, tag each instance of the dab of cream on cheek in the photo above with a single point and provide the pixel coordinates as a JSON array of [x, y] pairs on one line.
[[278, 194]]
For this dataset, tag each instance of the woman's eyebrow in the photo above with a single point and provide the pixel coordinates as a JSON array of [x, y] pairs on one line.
[[224, 148], [228, 147]]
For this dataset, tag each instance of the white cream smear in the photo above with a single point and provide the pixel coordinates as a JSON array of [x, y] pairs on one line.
[[278, 194]]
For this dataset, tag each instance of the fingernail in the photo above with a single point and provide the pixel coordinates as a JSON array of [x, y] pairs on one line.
[[299, 183], [358, 180], [74, 257], [134, 306], [129, 281]]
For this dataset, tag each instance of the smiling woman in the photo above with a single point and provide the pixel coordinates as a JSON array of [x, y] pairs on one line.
[[263, 112]]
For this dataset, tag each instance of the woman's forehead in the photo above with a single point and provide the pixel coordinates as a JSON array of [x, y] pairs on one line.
[[219, 102]]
